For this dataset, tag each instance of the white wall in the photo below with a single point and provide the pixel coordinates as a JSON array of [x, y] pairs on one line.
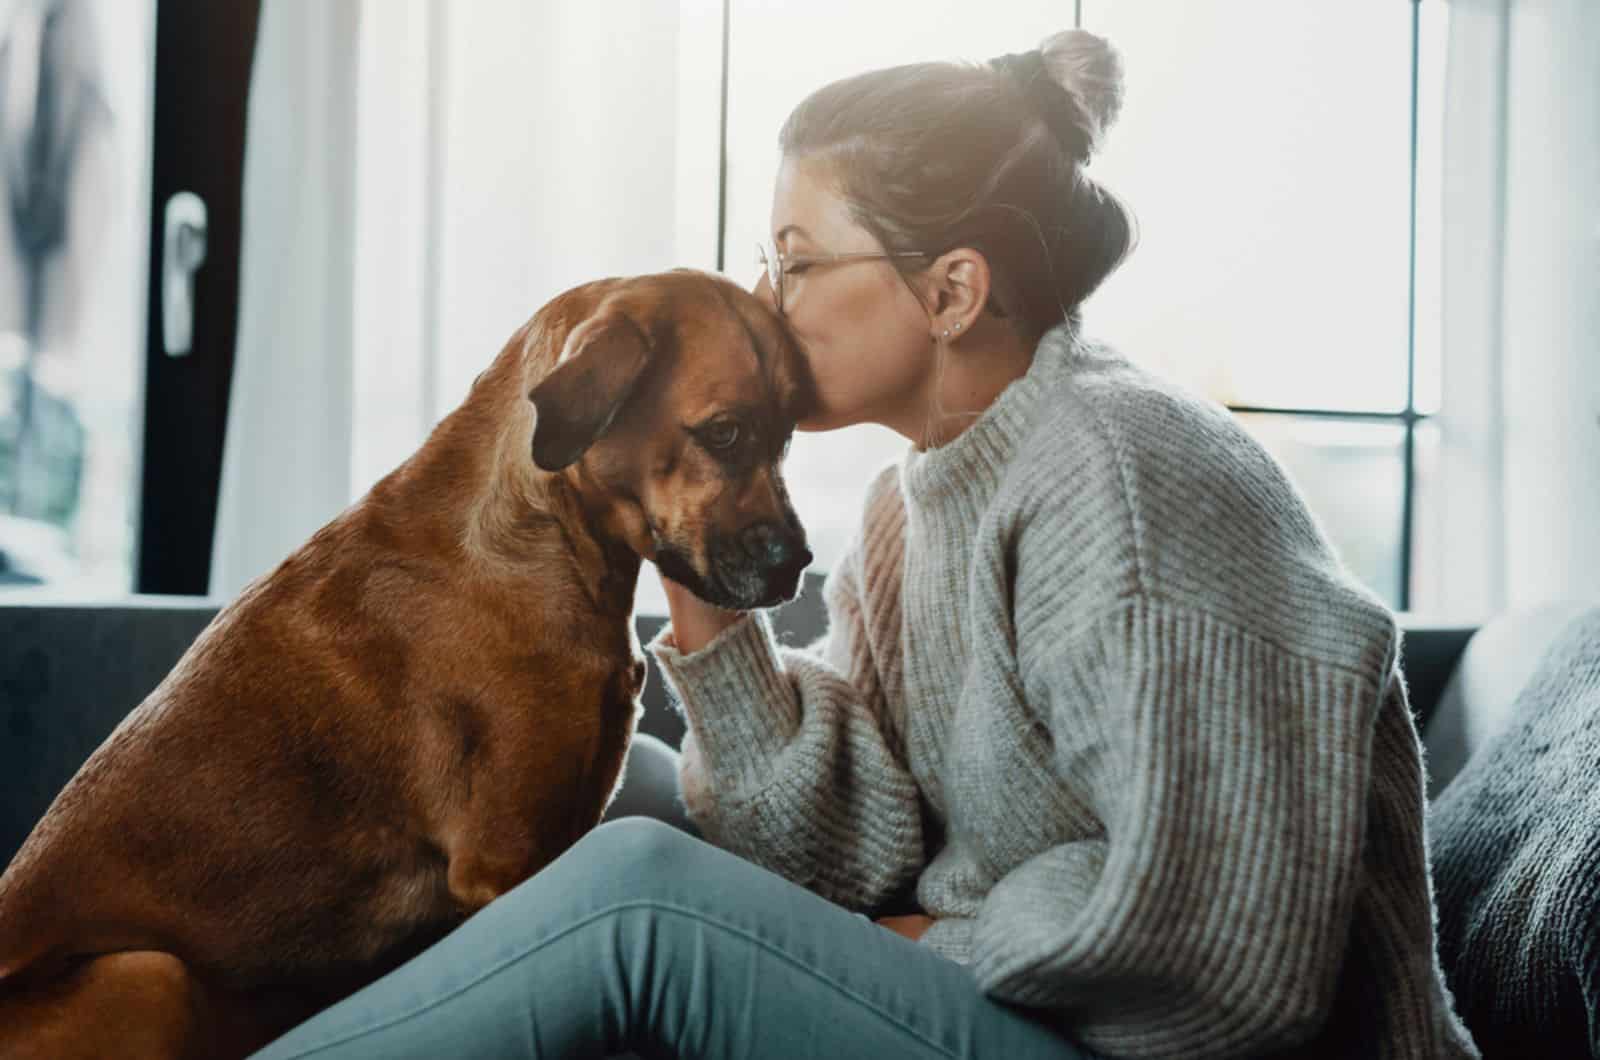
[[560, 162], [395, 217], [1551, 310], [286, 468], [509, 151]]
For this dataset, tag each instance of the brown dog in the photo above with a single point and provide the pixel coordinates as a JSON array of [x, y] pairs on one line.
[[422, 706]]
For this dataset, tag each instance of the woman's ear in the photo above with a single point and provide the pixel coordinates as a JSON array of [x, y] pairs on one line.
[[960, 288]]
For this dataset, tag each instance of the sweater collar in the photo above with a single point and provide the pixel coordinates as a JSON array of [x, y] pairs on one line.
[[973, 461]]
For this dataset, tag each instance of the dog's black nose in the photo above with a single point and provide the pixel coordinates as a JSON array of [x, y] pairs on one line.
[[773, 546]]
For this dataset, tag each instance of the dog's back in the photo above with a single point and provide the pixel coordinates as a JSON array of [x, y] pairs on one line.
[[228, 818]]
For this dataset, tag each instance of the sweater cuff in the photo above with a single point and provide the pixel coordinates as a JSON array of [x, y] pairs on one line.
[[735, 698], [951, 938]]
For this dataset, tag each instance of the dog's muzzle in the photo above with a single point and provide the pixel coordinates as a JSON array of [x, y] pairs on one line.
[[760, 565]]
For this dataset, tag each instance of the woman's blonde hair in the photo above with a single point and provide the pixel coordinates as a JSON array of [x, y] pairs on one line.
[[934, 156]]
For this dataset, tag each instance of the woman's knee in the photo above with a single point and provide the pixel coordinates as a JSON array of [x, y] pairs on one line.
[[634, 848], [619, 863], [632, 861]]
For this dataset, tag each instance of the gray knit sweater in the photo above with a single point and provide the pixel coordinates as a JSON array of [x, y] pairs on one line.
[[1516, 845], [1096, 682]]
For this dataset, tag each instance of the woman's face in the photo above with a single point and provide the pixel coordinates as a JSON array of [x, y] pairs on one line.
[[865, 334]]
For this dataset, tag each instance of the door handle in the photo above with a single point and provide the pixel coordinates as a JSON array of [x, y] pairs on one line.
[[183, 251]]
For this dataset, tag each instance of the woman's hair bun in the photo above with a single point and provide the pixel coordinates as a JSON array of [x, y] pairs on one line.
[[1090, 69]]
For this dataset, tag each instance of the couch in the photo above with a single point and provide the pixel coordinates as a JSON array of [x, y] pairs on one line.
[[70, 671]]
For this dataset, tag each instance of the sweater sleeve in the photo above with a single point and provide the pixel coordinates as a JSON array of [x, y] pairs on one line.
[[788, 761], [1211, 918]]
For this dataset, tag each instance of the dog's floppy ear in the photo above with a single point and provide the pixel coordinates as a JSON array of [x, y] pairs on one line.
[[602, 360]]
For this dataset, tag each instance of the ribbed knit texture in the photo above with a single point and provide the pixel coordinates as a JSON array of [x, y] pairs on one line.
[[1095, 681], [1516, 848]]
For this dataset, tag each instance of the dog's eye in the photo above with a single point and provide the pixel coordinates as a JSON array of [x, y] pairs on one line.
[[721, 435]]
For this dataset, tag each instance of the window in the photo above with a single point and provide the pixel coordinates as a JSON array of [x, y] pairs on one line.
[[109, 445], [1279, 159], [72, 285]]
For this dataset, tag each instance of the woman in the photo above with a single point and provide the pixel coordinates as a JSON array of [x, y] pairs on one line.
[[1096, 693]]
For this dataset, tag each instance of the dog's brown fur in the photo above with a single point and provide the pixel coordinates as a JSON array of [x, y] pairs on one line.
[[422, 706]]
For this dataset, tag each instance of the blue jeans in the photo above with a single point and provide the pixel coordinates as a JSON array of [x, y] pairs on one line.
[[643, 937]]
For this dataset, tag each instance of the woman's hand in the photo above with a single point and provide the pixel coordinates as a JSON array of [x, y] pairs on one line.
[[695, 623], [911, 927]]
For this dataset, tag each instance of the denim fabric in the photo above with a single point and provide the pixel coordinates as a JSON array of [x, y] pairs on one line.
[[644, 937]]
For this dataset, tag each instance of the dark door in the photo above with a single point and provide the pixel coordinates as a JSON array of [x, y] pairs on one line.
[[202, 76], [122, 126]]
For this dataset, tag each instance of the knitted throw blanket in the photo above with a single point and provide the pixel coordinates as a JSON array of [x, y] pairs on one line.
[[1516, 859]]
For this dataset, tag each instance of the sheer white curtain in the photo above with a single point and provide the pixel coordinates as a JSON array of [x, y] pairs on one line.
[[1519, 511], [286, 462], [421, 176]]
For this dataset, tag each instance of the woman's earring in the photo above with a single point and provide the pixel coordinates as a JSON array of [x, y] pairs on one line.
[[958, 325]]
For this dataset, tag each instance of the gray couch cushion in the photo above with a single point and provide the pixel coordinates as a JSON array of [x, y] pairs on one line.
[[68, 675], [1477, 700], [1515, 845]]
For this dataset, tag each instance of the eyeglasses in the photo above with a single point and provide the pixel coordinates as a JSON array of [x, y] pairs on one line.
[[778, 265]]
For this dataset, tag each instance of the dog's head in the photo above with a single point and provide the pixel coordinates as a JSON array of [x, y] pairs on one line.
[[672, 404]]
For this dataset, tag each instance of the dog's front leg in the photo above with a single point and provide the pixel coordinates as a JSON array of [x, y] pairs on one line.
[[499, 839], [527, 805], [504, 849]]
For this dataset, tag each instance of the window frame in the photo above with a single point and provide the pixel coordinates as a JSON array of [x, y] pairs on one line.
[[1410, 418]]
